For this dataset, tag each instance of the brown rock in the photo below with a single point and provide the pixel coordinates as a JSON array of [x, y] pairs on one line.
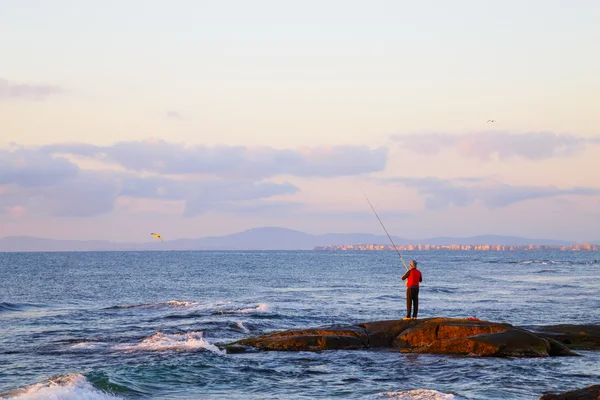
[[440, 329], [588, 393], [515, 343], [383, 333], [433, 335], [327, 338], [578, 337]]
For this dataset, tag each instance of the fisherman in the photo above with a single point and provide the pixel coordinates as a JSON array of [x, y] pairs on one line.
[[414, 276]]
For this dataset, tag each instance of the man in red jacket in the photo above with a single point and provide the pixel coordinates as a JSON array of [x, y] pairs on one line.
[[412, 290]]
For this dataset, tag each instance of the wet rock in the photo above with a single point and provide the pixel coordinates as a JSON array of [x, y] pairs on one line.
[[345, 337], [577, 337], [588, 393], [383, 333], [433, 335], [237, 349]]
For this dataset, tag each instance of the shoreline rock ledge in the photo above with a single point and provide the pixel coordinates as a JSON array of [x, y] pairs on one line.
[[588, 393], [429, 335]]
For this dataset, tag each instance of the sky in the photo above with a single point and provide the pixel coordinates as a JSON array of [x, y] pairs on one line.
[[198, 118]]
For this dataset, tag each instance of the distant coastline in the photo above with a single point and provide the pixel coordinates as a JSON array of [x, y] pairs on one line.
[[275, 238], [457, 247]]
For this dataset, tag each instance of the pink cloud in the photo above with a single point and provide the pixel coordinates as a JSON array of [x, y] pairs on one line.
[[16, 211], [503, 145], [160, 156]]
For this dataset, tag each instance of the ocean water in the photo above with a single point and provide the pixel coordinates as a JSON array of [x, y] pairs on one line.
[[145, 325]]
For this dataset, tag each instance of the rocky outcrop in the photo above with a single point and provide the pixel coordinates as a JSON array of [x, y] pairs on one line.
[[433, 335], [588, 393], [576, 337]]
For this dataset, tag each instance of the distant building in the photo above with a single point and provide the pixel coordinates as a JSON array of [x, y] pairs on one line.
[[457, 247]]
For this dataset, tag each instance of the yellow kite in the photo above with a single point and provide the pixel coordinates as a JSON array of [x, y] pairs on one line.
[[156, 236]]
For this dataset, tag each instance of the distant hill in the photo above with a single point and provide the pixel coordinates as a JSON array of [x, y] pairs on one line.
[[269, 238]]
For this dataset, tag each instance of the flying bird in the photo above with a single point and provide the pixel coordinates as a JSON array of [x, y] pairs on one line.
[[156, 236], [491, 120]]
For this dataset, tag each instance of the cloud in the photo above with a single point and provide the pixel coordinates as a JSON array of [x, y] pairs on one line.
[[44, 184], [34, 168], [503, 145], [16, 211], [159, 156], [174, 115], [441, 193], [215, 196], [205, 195], [84, 195], [9, 90]]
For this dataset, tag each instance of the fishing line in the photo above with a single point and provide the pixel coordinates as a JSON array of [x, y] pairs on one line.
[[386, 232]]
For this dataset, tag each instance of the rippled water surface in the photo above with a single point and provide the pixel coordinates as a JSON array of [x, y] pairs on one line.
[[146, 324]]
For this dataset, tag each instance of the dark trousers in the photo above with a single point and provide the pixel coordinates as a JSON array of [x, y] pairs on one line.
[[412, 299]]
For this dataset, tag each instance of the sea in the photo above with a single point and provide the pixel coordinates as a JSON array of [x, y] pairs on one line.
[[147, 325]]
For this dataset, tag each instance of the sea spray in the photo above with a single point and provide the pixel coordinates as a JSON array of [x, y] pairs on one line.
[[178, 342], [163, 304], [63, 387], [263, 307], [418, 394], [241, 327]]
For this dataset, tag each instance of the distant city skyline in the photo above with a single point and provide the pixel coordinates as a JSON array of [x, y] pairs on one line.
[[194, 119], [457, 247]]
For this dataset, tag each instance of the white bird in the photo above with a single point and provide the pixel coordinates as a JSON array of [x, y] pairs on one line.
[[491, 120]]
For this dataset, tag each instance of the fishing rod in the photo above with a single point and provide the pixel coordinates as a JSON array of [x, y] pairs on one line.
[[388, 235]]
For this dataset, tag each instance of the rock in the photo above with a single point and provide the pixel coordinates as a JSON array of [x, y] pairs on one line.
[[345, 337], [383, 333], [237, 349], [577, 337], [483, 338], [433, 335], [588, 393]]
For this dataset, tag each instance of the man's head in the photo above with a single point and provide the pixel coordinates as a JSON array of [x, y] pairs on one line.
[[413, 264]]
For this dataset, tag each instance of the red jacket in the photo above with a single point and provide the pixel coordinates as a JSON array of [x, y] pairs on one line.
[[414, 277]]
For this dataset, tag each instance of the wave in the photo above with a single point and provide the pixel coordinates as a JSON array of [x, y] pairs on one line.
[[91, 345], [240, 326], [62, 387], [170, 304], [13, 307], [418, 394], [261, 308], [553, 262], [175, 341], [441, 290]]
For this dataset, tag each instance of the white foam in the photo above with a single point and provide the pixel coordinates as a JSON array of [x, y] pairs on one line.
[[242, 327], [160, 304], [88, 345], [65, 387], [163, 341], [263, 307], [178, 303], [418, 394]]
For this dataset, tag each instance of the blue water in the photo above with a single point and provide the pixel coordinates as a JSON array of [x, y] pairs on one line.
[[144, 324]]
